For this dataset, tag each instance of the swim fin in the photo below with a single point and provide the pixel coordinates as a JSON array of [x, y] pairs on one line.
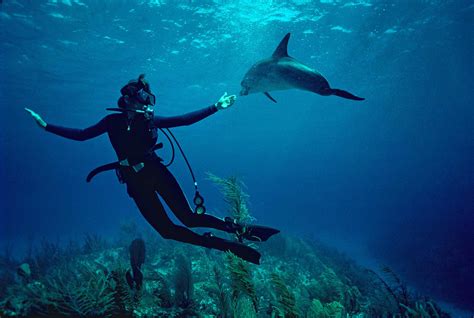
[[241, 250], [256, 233]]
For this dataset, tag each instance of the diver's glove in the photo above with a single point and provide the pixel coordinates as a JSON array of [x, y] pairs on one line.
[[225, 101], [37, 118]]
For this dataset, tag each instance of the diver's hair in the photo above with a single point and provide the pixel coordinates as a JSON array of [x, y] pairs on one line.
[[131, 88], [122, 102]]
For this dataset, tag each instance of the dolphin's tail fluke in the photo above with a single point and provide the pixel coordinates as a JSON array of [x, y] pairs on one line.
[[344, 94]]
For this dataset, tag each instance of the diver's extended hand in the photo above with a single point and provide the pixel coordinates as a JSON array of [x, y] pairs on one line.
[[225, 101], [37, 118]]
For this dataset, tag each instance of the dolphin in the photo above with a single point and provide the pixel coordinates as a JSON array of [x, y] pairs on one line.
[[281, 72]]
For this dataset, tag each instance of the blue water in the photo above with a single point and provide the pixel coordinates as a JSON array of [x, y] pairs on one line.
[[390, 178]]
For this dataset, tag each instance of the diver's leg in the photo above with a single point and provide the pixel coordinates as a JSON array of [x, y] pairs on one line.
[[171, 192], [154, 212], [151, 208]]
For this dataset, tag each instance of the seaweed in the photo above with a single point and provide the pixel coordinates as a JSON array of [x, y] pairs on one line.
[[331, 310], [286, 306], [234, 196], [242, 284], [94, 243], [48, 256], [327, 287], [244, 308], [161, 291], [125, 301], [76, 290], [219, 292]]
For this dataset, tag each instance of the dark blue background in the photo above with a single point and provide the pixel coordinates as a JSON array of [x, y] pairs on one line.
[[390, 178]]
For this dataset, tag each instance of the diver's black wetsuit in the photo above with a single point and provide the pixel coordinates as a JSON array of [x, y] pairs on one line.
[[133, 140]]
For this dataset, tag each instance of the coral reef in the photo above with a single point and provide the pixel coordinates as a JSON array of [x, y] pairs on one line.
[[297, 278], [190, 282]]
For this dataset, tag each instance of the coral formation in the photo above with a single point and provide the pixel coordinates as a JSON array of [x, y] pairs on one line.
[[297, 278]]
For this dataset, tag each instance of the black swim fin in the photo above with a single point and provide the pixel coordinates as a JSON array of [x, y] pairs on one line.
[[241, 250], [270, 96], [256, 233], [344, 94]]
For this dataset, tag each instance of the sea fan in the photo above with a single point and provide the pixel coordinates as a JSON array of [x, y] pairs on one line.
[[183, 279], [286, 299], [241, 280]]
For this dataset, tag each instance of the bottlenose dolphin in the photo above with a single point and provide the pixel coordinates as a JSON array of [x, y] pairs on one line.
[[281, 72]]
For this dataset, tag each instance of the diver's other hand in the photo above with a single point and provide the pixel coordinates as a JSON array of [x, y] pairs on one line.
[[225, 101], [37, 118]]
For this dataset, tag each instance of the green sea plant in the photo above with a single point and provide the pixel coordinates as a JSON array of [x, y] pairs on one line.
[[161, 290], [244, 308], [352, 299], [242, 284], [399, 292], [23, 300], [219, 292], [335, 309], [285, 298], [48, 255], [327, 287], [76, 290], [94, 243], [82, 292], [319, 310], [125, 300], [409, 305], [234, 196], [316, 310]]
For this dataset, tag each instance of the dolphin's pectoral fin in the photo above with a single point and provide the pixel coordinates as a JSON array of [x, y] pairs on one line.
[[344, 94], [270, 96], [282, 48]]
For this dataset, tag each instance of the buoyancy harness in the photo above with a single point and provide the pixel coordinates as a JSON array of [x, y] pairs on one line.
[[138, 164]]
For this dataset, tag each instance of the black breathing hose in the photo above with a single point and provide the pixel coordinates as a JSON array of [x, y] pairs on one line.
[[166, 131]]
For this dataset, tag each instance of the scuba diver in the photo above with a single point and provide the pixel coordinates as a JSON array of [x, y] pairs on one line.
[[132, 131]]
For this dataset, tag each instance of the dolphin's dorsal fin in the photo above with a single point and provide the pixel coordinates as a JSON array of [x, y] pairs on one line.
[[282, 48]]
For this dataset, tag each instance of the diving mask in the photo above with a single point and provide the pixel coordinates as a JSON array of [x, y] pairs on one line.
[[144, 97]]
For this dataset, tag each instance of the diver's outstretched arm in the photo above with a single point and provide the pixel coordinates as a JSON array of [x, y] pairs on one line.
[[37, 118], [71, 133], [190, 118]]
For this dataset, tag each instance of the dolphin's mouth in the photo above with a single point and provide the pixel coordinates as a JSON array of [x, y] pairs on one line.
[[244, 91]]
